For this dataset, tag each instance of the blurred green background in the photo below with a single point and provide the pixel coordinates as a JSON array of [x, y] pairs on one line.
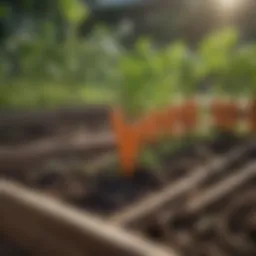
[[138, 54]]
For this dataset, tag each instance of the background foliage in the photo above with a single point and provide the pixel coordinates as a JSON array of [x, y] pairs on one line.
[[47, 63]]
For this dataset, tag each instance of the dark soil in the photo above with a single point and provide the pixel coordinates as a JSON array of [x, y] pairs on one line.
[[8, 248], [192, 226], [106, 192], [19, 127], [215, 218]]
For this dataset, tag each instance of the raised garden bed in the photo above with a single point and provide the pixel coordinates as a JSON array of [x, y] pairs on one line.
[[185, 205], [47, 227]]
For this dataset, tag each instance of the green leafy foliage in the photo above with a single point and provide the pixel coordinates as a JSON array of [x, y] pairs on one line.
[[37, 69], [216, 49], [227, 62], [151, 77], [240, 76], [74, 11]]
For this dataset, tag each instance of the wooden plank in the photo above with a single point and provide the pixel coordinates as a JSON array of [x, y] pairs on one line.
[[48, 227]]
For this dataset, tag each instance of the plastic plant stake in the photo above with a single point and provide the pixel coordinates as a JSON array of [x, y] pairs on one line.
[[128, 141], [225, 114], [252, 116], [131, 137], [150, 127]]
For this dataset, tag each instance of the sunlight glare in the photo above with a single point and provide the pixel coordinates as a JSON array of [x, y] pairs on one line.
[[228, 4]]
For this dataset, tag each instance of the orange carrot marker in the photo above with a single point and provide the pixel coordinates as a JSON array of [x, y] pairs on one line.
[[128, 141], [225, 114], [252, 115], [232, 114], [150, 127]]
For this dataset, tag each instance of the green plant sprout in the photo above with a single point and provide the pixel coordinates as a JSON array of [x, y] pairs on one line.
[[52, 71], [218, 55], [150, 77]]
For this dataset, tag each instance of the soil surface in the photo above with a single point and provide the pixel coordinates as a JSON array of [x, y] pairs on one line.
[[193, 202]]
